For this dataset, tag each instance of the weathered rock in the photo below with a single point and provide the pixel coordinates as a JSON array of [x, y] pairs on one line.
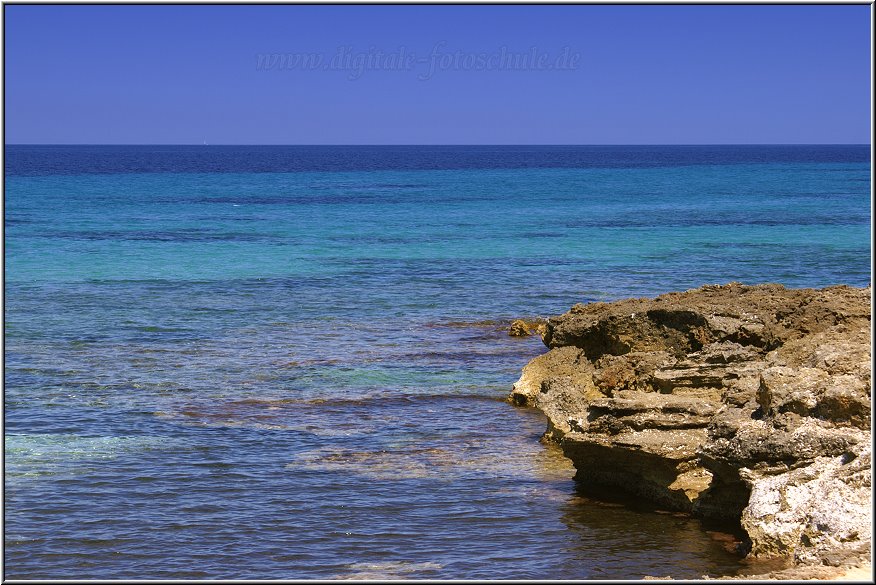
[[812, 513], [764, 317], [564, 361], [784, 389], [786, 441], [632, 371], [749, 403], [638, 411], [656, 465], [846, 400], [526, 327]]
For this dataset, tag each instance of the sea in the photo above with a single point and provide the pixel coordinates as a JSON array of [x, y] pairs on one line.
[[292, 362]]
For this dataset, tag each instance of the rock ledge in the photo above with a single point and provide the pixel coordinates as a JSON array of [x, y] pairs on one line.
[[739, 403]]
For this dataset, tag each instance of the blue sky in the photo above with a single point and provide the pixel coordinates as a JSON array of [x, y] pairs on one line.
[[165, 74]]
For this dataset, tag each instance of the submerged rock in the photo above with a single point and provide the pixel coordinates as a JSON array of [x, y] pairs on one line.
[[734, 402]]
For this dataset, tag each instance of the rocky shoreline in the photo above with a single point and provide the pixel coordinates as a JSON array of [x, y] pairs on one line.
[[742, 404]]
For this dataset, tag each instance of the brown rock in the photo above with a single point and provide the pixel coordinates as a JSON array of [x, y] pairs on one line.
[[737, 402], [524, 327]]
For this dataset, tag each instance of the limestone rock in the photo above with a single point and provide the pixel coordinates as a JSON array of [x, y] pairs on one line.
[[784, 389], [812, 513], [527, 327], [518, 328], [749, 403]]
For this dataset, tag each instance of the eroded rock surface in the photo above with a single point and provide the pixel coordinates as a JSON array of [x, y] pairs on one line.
[[526, 327], [743, 403]]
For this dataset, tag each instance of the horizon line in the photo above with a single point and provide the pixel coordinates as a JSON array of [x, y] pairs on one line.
[[442, 144]]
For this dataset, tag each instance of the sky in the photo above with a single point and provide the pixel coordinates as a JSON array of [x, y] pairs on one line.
[[621, 74]]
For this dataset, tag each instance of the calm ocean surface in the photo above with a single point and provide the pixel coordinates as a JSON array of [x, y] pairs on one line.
[[290, 362]]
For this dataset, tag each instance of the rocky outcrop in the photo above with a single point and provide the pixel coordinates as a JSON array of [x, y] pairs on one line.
[[742, 403], [526, 327]]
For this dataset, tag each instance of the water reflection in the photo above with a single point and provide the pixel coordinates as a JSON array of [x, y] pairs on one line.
[[662, 543]]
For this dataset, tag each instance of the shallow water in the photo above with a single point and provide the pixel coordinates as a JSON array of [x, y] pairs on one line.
[[291, 362]]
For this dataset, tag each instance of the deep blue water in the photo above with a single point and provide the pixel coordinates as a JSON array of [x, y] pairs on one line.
[[290, 362]]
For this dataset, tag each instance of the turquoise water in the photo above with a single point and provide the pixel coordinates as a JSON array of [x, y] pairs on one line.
[[253, 362]]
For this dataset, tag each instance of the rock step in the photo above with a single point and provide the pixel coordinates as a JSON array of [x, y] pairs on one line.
[[639, 411]]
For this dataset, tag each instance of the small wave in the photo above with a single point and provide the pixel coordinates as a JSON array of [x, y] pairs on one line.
[[285, 413], [364, 400], [192, 235], [376, 465], [309, 362], [498, 324], [17, 220], [486, 323], [463, 356], [534, 235], [388, 570], [38, 455], [425, 460], [159, 329], [397, 185]]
